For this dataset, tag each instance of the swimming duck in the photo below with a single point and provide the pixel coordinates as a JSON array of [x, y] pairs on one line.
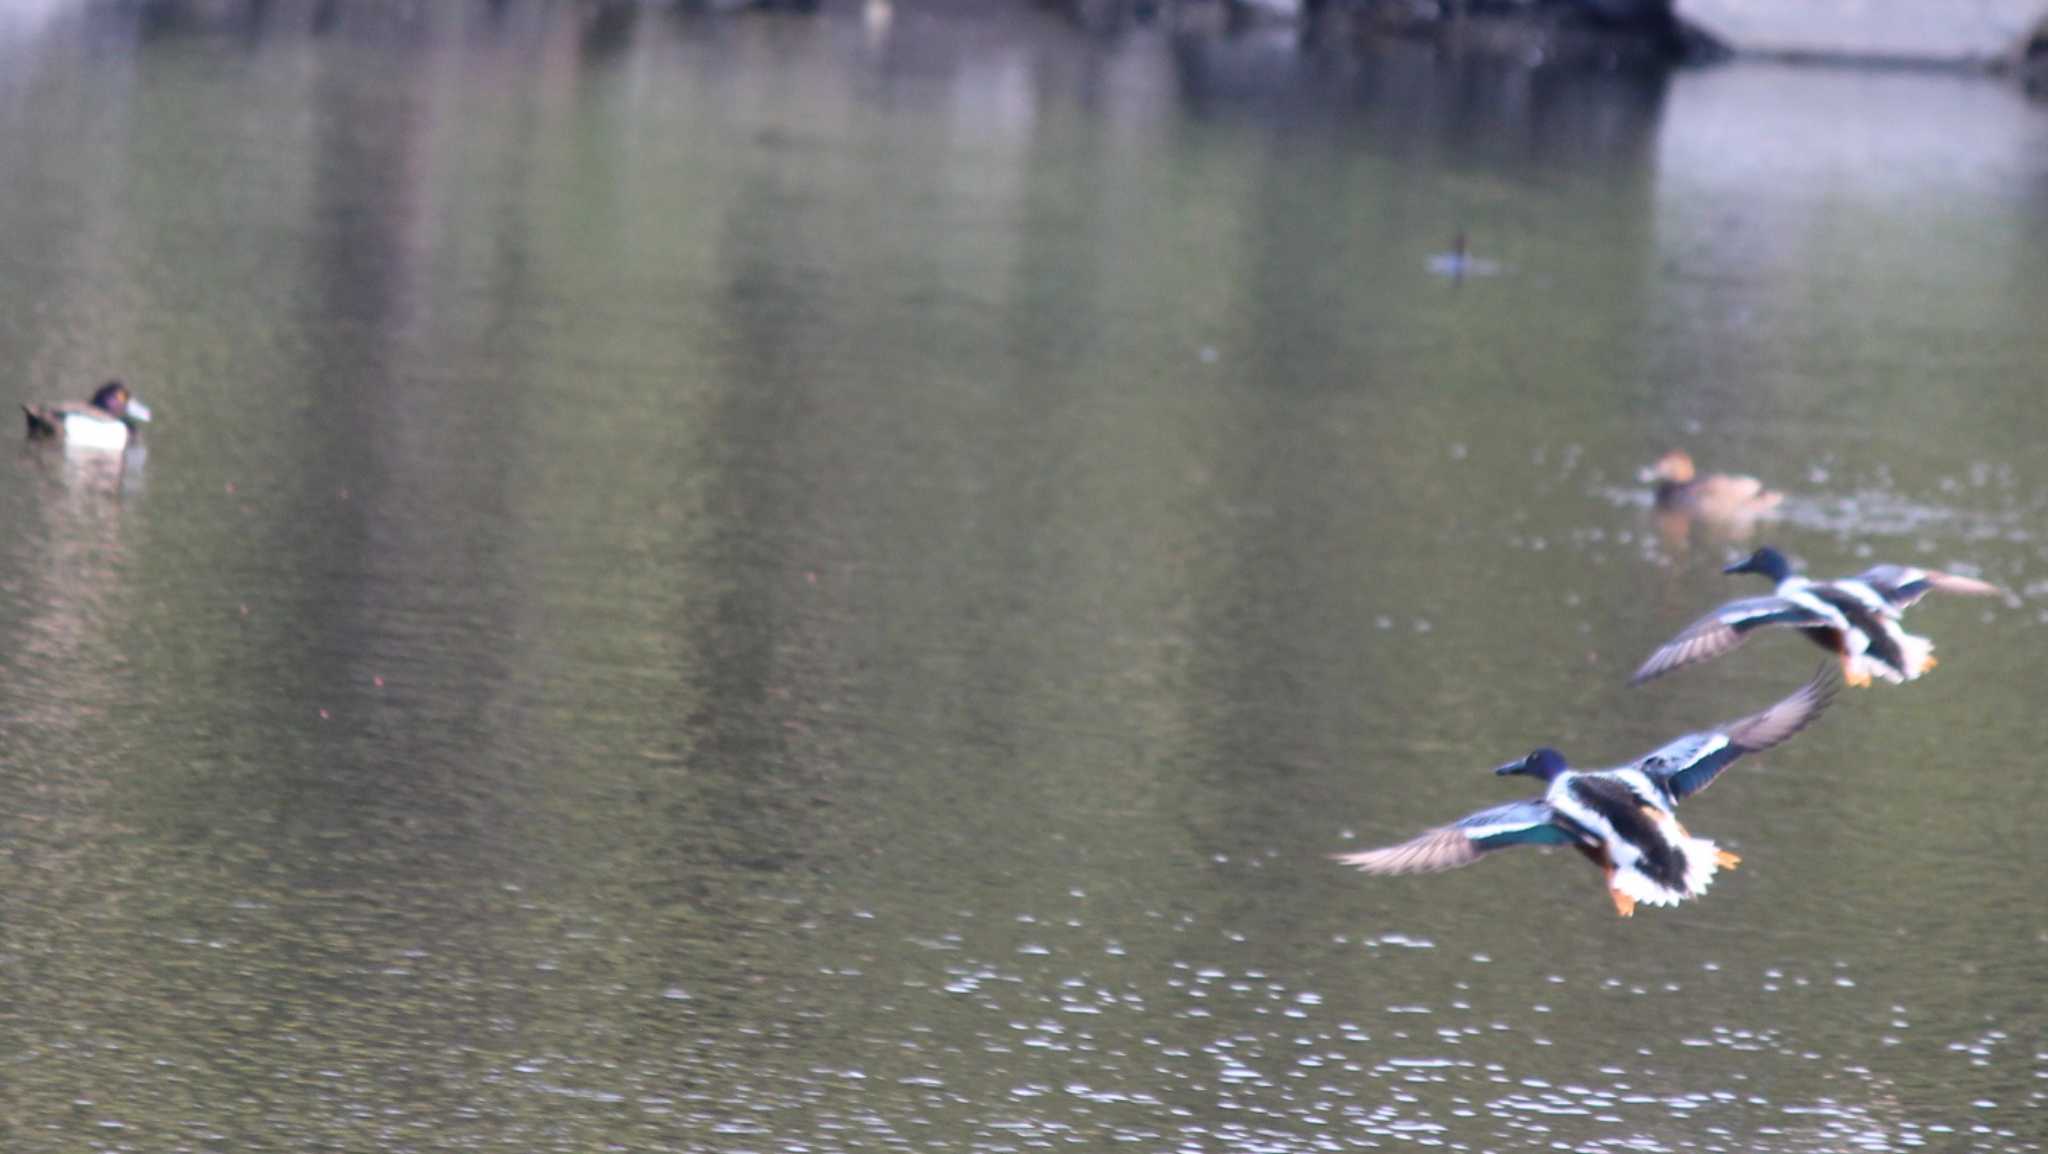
[[1459, 263], [1855, 617], [1723, 496], [1620, 818], [102, 423]]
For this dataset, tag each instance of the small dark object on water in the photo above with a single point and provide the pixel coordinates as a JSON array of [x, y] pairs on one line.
[[1459, 263]]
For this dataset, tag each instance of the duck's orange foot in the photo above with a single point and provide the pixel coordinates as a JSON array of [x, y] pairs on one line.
[[1853, 675], [1726, 860], [1930, 662], [1623, 904]]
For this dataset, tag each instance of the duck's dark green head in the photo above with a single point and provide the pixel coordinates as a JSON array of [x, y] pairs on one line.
[[1543, 764], [1766, 561], [114, 398]]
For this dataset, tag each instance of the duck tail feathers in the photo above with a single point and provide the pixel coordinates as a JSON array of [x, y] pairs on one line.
[[1862, 668], [1702, 860], [1919, 654], [1647, 891]]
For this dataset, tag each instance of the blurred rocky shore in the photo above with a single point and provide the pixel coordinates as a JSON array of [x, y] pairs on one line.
[[1536, 29], [1991, 35]]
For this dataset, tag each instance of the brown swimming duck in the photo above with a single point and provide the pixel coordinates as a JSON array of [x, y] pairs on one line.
[[1722, 496]]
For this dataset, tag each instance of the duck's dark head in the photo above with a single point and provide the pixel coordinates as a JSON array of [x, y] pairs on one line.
[[1766, 561], [1544, 765], [115, 398]]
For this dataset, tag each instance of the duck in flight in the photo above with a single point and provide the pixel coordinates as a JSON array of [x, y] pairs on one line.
[[1621, 819], [1856, 618]]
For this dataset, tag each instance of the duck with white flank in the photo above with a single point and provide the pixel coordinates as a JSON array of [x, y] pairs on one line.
[[1620, 818], [105, 422], [1854, 617]]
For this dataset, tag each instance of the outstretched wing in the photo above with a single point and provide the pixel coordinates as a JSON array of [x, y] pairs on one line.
[[1462, 842], [1724, 629], [1689, 764], [1903, 585]]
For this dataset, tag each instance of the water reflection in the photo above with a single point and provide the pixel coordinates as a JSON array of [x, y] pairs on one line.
[[71, 591], [84, 502], [748, 581], [608, 28]]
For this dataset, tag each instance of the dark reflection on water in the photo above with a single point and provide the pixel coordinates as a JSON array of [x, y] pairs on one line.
[[821, 583]]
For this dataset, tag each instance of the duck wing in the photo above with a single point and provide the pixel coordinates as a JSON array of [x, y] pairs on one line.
[[53, 416], [1687, 765], [1724, 629], [1903, 585], [1528, 822]]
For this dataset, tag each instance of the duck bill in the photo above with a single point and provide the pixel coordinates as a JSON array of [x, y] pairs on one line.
[[136, 411], [1511, 767]]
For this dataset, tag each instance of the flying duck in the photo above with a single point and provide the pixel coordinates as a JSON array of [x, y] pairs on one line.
[[1620, 818], [1855, 617], [105, 422]]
